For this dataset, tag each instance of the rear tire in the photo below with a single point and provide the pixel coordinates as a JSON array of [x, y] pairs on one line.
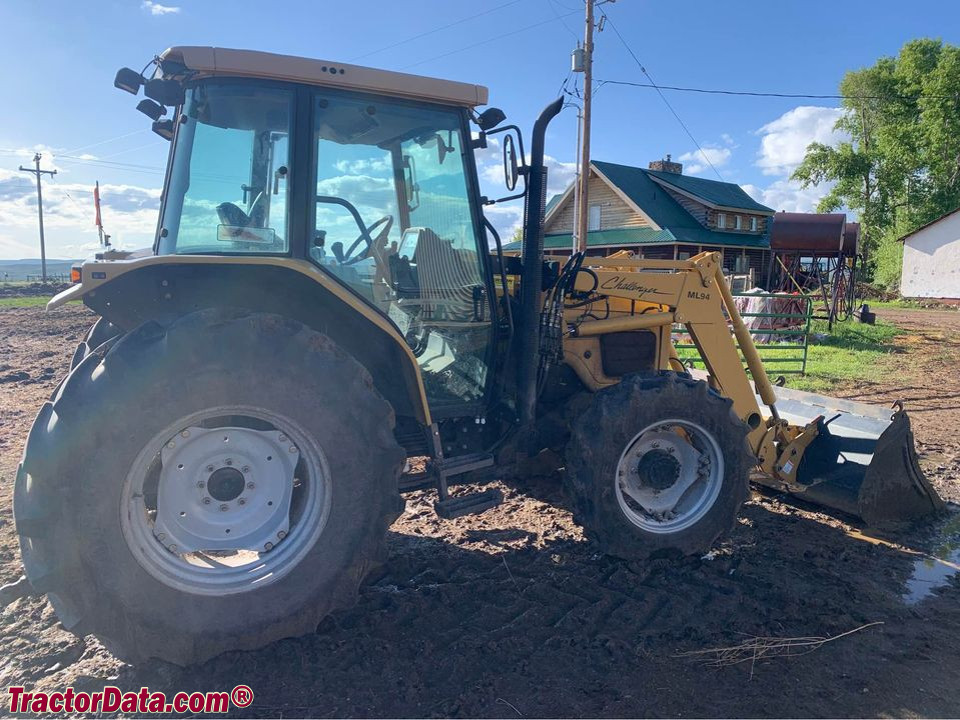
[[631, 431], [73, 505]]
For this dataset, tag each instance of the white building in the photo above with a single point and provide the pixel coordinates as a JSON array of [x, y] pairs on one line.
[[931, 260]]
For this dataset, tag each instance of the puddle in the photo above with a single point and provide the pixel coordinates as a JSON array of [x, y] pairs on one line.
[[935, 570]]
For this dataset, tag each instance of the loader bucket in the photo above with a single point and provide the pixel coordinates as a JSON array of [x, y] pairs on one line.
[[863, 462]]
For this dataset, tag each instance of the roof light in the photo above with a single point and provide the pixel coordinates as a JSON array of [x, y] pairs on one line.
[[165, 92], [164, 128], [128, 80], [151, 109]]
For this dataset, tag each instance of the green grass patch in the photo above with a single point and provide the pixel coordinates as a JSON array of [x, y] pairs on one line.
[[23, 301], [850, 353]]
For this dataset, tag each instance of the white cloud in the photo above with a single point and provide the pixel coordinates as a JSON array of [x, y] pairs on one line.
[[129, 215], [155, 8], [695, 161], [787, 195], [784, 141]]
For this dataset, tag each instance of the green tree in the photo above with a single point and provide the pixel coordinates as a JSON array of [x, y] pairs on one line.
[[898, 165]]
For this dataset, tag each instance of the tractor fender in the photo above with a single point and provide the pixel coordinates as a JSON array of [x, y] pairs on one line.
[[165, 287]]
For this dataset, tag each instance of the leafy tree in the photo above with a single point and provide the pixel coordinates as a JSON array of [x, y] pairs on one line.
[[898, 165]]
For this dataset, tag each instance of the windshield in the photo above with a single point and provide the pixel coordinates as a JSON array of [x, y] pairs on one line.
[[228, 187]]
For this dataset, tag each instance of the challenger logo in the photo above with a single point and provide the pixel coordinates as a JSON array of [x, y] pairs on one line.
[[619, 283]]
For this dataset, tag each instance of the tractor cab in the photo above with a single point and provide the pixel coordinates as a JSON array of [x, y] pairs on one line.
[[354, 175]]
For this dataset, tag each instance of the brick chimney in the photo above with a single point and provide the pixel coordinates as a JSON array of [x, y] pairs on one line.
[[667, 165]]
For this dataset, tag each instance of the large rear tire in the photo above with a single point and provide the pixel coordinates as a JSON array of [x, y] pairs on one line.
[[658, 465], [128, 489]]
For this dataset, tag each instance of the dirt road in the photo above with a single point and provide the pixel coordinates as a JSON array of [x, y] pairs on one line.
[[513, 614]]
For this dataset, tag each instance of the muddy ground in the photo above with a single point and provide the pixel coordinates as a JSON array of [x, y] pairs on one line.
[[513, 614]]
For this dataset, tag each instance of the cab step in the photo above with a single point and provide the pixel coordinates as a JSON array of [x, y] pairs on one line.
[[445, 468], [471, 504]]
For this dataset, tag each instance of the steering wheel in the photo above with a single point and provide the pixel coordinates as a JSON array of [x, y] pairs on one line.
[[374, 246]]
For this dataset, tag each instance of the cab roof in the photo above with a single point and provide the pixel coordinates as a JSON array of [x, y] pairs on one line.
[[213, 61]]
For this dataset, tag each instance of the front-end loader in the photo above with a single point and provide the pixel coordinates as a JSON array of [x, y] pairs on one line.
[[324, 300]]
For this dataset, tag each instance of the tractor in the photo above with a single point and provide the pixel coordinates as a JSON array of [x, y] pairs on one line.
[[325, 301]]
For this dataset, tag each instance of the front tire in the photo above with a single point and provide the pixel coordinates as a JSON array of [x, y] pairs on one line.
[[658, 465], [126, 498]]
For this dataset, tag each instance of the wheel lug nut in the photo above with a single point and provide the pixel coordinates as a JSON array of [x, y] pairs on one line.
[[161, 537], [293, 449], [172, 548], [281, 535], [210, 468], [245, 468], [206, 501], [184, 433], [224, 507], [268, 546], [171, 444], [201, 484], [241, 501], [228, 461], [282, 438], [250, 485]]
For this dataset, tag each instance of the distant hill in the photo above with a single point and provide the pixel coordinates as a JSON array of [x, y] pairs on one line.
[[29, 268]]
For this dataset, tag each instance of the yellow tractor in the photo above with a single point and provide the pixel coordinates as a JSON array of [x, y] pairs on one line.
[[325, 300]]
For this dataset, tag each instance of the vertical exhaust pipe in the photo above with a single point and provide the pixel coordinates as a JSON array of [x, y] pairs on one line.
[[528, 324]]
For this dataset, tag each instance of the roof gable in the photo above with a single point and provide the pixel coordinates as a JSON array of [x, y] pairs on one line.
[[719, 195], [929, 224]]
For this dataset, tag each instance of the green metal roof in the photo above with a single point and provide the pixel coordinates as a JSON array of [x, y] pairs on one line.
[[621, 237], [551, 203], [723, 194]]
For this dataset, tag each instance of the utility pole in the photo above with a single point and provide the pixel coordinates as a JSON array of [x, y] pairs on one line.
[[582, 219], [38, 172]]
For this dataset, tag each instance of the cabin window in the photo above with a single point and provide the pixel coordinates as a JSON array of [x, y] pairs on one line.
[[721, 221], [753, 224], [737, 222], [593, 218]]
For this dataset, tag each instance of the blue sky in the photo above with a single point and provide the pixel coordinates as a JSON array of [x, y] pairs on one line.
[[60, 58]]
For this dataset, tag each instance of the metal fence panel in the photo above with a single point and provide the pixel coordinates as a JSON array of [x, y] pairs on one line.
[[783, 348]]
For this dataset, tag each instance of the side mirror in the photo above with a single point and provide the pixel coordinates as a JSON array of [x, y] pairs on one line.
[[410, 183], [490, 118], [128, 80], [511, 170], [514, 162]]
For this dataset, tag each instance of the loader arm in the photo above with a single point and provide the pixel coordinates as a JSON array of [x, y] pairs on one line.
[[866, 467], [693, 293]]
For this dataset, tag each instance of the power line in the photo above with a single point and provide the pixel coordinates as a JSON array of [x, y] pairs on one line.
[[662, 96], [751, 93], [435, 30], [104, 142], [489, 40], [553, 9]]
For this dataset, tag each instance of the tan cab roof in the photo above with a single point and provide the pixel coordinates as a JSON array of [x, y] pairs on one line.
[[252, 63]]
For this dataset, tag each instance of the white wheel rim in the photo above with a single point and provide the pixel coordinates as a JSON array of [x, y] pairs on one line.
[[669, 476], [225, 500]]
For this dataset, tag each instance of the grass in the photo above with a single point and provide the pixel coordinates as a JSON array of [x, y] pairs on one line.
[[852, 353], [24, 301]]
